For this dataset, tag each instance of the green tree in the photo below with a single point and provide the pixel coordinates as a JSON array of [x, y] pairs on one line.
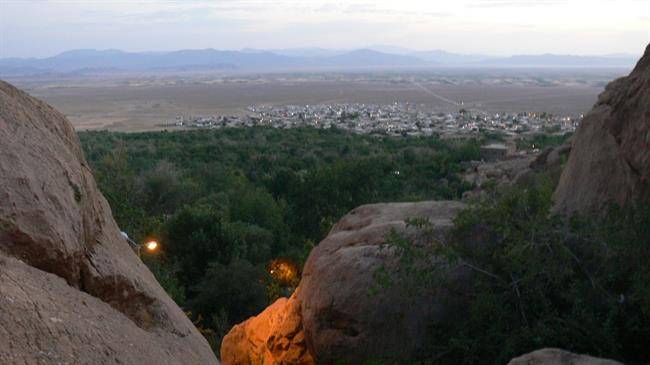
[[161, 191], [195, 237], [229, 292]]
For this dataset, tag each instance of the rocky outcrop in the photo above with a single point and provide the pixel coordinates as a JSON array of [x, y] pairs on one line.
[[501, 173], [519, 170], [71, 289], [550, 160], [559, 357], [341, 319], [610, 159], [274, 337], [550, 163]]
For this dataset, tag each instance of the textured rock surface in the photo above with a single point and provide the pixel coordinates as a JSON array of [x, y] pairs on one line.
[[340, 318], [559, 357], [71, 289], [610, 159], [550, 159], [502, 173], [274, 337]]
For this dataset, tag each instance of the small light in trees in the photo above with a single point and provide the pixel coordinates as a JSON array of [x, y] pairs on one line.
[[151, 246], [283, 271]]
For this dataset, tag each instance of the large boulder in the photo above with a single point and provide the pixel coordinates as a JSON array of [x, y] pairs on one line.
[[72, 291], [552, 356], [342, 320], [610, 158]]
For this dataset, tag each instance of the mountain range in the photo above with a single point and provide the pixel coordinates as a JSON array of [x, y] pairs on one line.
[[294, 59]]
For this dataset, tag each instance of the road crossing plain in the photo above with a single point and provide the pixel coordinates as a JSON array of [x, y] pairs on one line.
[[140, 103]]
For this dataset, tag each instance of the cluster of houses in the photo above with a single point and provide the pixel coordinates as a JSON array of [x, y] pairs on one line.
[[399, 119]]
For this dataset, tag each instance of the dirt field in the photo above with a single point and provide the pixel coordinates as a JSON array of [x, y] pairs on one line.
[[138, 104]]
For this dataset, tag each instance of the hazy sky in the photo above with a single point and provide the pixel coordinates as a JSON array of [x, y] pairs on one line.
[[500, 27]]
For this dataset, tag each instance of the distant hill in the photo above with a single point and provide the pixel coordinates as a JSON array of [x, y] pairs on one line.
[[552, 60], [296, 59], [445, 57], [368, 57], [79, 60], [544, 60], [437, 55], [302, 52], [247, 60]]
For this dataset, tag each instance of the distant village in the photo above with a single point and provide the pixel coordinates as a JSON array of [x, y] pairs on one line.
[[397, 119]]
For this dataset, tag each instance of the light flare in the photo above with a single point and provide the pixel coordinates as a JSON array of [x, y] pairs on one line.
[[151, 246]]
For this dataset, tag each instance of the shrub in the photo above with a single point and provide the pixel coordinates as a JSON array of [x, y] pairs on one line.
[[582, 284]]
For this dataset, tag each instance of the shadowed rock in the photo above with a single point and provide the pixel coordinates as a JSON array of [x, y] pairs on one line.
[[610, 159], [71, 288], [341, 318], [559, 357]]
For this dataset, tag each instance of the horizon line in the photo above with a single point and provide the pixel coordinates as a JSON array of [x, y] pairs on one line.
[[405, 51]]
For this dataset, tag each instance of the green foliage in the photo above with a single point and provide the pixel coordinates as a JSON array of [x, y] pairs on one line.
[[256, 206], [491, 136], [167, 275], [195, 237], [234, 199], [540, 282], [295, 183], [250, 242], [225, 203], [230, 293], [161, 190]]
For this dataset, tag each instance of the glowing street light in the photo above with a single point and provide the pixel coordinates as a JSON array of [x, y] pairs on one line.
[[151, 246]]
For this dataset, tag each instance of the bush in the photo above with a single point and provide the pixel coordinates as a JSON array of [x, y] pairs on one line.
[[581, 284]]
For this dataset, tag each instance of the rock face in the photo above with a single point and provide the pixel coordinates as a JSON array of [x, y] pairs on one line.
[[610, 159], [550, 160], [503, 173], [333, 317], [274, 337], [71, 289], [517, 170], [341, 318], [559, 357]]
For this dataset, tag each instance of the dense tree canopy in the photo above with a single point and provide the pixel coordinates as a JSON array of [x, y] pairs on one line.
[[225, 203]]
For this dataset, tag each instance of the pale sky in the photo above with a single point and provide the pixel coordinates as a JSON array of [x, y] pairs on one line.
[[38, 28]]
